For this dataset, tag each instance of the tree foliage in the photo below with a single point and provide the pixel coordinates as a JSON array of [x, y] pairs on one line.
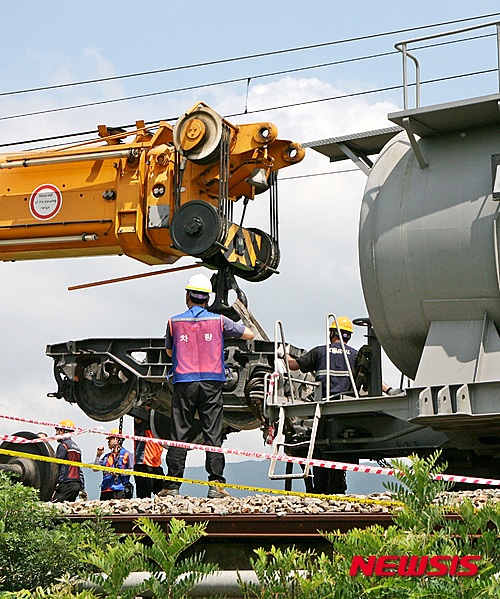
[[37, 546]]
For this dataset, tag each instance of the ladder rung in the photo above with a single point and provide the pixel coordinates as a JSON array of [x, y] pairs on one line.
[[283, 476]]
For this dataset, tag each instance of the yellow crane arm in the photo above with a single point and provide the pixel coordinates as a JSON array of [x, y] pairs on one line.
[[154, 196]]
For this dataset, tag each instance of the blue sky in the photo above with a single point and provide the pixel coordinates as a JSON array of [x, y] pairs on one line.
[[67, 42], [57, 42]]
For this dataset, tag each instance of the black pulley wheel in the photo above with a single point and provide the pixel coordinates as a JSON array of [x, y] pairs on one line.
[[106, 401], [268, 259], [34, 473], [198, 229]]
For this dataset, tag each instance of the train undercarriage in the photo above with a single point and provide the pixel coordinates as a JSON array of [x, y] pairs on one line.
[[110, 378]]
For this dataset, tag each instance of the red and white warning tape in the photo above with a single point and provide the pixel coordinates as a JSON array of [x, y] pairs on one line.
[[43, 439], [263, 456]]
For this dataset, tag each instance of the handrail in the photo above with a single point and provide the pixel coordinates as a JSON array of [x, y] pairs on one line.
[[278, 327], [403, 48]]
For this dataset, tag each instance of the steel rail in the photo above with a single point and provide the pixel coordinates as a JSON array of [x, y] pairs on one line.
[[254, 526], [231, 540]]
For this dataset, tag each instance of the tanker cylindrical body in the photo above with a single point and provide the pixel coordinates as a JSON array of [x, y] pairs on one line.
[[428, 240]]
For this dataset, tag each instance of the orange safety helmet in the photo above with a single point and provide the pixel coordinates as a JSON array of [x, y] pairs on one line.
[[344, 323], [66, 424]]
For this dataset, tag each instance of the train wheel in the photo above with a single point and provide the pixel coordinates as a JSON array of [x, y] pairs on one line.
[[105, 401], [33, 473]]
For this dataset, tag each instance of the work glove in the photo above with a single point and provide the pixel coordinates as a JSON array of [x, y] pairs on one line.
[[83, 495], [394, 391], [280, 366], [281, 350]]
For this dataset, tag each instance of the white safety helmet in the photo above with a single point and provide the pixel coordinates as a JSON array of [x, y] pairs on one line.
[[199, 286]]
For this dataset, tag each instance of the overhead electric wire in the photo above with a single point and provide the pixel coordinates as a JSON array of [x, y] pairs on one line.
[[235, 80], [281, 107], [347, 170], [248, 79], [363, 93], [285, 71], [247, 57]]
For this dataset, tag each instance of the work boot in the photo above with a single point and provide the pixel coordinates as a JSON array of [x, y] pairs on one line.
[[168, 492], [216, 492]]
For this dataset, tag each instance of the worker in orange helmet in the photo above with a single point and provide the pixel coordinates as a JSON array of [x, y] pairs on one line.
[[70, 479]]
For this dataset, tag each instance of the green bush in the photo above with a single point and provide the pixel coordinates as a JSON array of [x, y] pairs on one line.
[[420, 528], [62, 590], [37, 546], [170, 576], [35, 550]]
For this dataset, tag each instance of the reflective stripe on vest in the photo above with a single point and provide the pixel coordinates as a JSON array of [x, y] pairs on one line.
[[332, 373]]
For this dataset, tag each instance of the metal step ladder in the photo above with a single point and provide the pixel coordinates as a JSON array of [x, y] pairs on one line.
[[279, 440], [279, 444], [271, 393]]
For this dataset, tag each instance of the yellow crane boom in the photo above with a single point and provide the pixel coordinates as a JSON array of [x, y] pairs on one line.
[[152, 195]]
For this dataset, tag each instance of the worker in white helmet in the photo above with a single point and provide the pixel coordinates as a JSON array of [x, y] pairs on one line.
[[195, 341]]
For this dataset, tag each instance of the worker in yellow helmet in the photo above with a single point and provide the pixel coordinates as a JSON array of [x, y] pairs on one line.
[[315, 360], [70, 479], [114, 485]]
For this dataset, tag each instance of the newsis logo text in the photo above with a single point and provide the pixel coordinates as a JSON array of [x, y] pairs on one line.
[[414, 565]]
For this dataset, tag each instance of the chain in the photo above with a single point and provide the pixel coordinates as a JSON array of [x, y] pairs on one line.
[[225, 205], [273, 206]]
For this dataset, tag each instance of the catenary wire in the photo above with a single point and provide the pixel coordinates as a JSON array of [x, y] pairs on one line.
[[248, 57], [365, 92], [281, 107], [310, 67], [229, 81]]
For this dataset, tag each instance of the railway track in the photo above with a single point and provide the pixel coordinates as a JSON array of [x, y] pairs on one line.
[[262, 527], [232, 538]]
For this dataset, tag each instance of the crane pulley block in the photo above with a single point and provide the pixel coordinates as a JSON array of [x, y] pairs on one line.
[[154, 195]]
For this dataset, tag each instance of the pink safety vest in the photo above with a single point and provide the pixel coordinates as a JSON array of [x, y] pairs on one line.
[[197, 346]]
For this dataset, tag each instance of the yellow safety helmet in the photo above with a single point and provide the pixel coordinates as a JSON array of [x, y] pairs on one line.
[[66, 424], [199, 283], [344, 323], [112, 433]]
